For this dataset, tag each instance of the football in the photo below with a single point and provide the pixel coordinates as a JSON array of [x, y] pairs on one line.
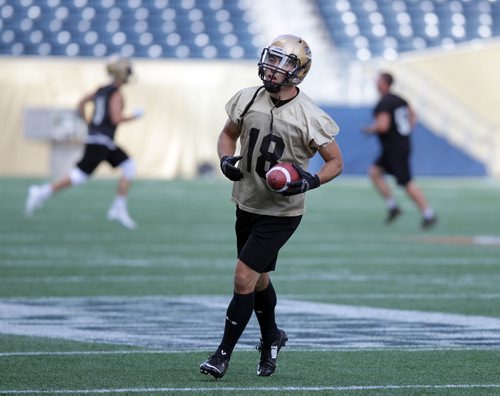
[[279, 175]]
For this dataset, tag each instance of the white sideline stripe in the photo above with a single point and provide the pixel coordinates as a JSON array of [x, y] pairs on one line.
[[76, 353], [406, 296], [296, 350], [466, 280], [181, 262], [259, 389]]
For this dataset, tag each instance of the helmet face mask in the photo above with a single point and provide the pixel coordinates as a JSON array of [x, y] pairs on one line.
[[275, 65], [284, 63]]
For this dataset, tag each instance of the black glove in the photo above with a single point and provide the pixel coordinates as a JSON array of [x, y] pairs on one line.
[[230, 171], [307, 182]]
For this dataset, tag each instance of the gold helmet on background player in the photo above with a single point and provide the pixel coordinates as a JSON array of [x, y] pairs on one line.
[[119, 68], [287, 55]]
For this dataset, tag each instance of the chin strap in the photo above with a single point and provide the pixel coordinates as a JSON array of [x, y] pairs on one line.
[[272, 88]]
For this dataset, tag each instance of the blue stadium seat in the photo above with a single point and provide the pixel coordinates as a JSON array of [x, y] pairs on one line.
[[159, 28], [414, 24], [172, 28]]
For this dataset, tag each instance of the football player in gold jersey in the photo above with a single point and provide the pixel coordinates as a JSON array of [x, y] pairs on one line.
[[274, 123]]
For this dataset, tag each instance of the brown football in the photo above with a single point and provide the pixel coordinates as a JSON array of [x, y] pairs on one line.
[[279, 175]]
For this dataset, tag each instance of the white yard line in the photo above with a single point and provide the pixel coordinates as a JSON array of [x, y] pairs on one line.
[[341, 276], [228, 262], [295, 350], [258, 389], [394, 296], [78, 353]]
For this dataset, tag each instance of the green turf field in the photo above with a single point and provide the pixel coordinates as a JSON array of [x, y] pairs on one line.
[[89, 307]]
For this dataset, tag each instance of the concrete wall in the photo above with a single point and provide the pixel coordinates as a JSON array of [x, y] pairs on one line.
[[183, 103]]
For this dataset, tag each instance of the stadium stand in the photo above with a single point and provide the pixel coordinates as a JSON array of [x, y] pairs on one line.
[[369, 28], [151, 29], [224, 29], [385, 28]]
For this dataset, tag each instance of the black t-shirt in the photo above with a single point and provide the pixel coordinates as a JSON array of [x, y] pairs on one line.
[[101, 119], [279, 103], [399, 131]]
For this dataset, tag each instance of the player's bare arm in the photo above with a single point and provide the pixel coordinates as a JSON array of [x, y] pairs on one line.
[[226, 147], [413, 116], [381, 124], [330, 169], [116, 109], [333, 162], [81, 104], [226, 144]]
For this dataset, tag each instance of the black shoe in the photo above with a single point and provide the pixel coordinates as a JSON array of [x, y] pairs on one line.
[[269, 355], [392, 215], [429, 223], [216, 364]]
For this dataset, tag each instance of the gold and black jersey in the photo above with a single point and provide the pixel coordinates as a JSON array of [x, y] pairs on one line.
[[292, 133], [101, 123]]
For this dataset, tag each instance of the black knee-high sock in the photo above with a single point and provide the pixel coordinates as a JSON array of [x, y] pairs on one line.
[[265, 302], [238, 314]]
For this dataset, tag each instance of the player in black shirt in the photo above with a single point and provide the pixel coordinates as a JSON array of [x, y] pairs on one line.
[[394, 120], [100, 146]]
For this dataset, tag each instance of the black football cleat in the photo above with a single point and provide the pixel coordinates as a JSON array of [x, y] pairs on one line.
[[216, 364], [429, 223], [269, 355], [392, 215]]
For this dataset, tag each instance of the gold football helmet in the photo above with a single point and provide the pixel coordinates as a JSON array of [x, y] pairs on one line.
[[287, 55], [119, 68]]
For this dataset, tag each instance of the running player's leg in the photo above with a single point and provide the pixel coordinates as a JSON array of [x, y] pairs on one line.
[[265, 304], [78, 175], [377, 173], [246, 277], [377, 177], [119, 209], [404, 178], [241, 307], [415, 193], [273, 338], [259, 239], [238, 314], [261, 250]]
